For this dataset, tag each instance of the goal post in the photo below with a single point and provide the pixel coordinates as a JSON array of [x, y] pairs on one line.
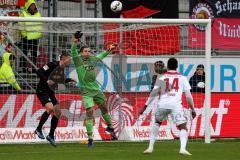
[[208, 82], [58, 32]]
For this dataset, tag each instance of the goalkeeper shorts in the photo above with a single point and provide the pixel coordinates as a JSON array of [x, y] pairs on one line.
[[89, 101]]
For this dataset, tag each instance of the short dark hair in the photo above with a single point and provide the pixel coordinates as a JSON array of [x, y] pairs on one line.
[[200, 66], [64, 54], [172, 64], [158, 63], [83, 47]]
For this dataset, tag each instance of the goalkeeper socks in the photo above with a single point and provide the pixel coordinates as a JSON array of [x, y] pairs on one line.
[[43, 119], [107, 119], [183, 135], [54, 123], [89, 126], [153, 134]]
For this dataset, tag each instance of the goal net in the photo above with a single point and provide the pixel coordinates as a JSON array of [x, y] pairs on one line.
[[125, 76]]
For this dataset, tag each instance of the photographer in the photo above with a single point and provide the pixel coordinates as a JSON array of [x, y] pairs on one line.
[[197, 81]]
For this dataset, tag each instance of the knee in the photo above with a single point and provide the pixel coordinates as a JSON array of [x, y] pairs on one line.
[[104, 110], [89, 112], [103, 107], [57, 111], [49, 107]]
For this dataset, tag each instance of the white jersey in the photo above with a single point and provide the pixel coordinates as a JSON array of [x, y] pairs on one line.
[[170, 87]]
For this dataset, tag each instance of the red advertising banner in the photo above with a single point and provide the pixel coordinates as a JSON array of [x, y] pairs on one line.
[[225, 23], [226, 33], [12, 2], [23, 112]]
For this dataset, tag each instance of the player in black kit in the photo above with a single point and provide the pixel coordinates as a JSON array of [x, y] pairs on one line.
[[46, 95]]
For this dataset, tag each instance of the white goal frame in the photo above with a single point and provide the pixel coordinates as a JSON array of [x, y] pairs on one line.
[[206, 22]]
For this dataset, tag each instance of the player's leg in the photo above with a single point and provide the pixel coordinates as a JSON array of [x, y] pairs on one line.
[[47, 104], [100, 100], [49, 108], [153, 135], [88, 103], [160, 116], [54, 121], [180, 119], [183, 135]]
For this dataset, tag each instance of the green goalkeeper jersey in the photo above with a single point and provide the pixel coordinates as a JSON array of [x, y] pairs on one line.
[[85, 70]]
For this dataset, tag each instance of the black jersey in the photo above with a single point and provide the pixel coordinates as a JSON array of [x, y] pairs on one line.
[[51, 71]]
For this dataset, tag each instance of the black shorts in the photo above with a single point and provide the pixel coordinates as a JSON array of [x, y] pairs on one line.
[[46, 96]]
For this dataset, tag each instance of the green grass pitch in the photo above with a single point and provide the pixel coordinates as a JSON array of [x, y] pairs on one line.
[[218, 150]]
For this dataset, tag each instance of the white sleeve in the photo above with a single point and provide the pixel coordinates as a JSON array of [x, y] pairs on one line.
[[155, 91], [189, 98], [186, 84]]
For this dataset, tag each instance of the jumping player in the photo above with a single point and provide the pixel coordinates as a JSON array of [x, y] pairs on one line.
[[46, 94], [91, 94]]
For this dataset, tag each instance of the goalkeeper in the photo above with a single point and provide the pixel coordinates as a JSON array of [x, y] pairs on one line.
[[91, 93]]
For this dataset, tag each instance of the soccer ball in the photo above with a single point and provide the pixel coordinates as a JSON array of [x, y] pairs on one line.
[[116, 6]]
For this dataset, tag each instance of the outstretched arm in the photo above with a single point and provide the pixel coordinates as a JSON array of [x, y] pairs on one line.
[[103, 54], [190, 102], [189, 97], [154, 94], [74, 53], [154, 78]]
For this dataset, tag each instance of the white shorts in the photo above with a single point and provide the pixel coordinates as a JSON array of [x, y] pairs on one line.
[[177, 115]]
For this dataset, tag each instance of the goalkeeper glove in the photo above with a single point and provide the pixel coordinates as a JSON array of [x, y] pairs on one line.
[[78, 35]]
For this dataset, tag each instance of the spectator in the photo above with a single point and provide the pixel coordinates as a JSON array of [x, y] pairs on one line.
[[30, 34], [197, 81], [8, 83]]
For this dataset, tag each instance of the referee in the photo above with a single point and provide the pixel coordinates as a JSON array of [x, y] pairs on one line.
[[46, 95]]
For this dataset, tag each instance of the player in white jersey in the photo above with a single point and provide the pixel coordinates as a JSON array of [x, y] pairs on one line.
[[170, 87]]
